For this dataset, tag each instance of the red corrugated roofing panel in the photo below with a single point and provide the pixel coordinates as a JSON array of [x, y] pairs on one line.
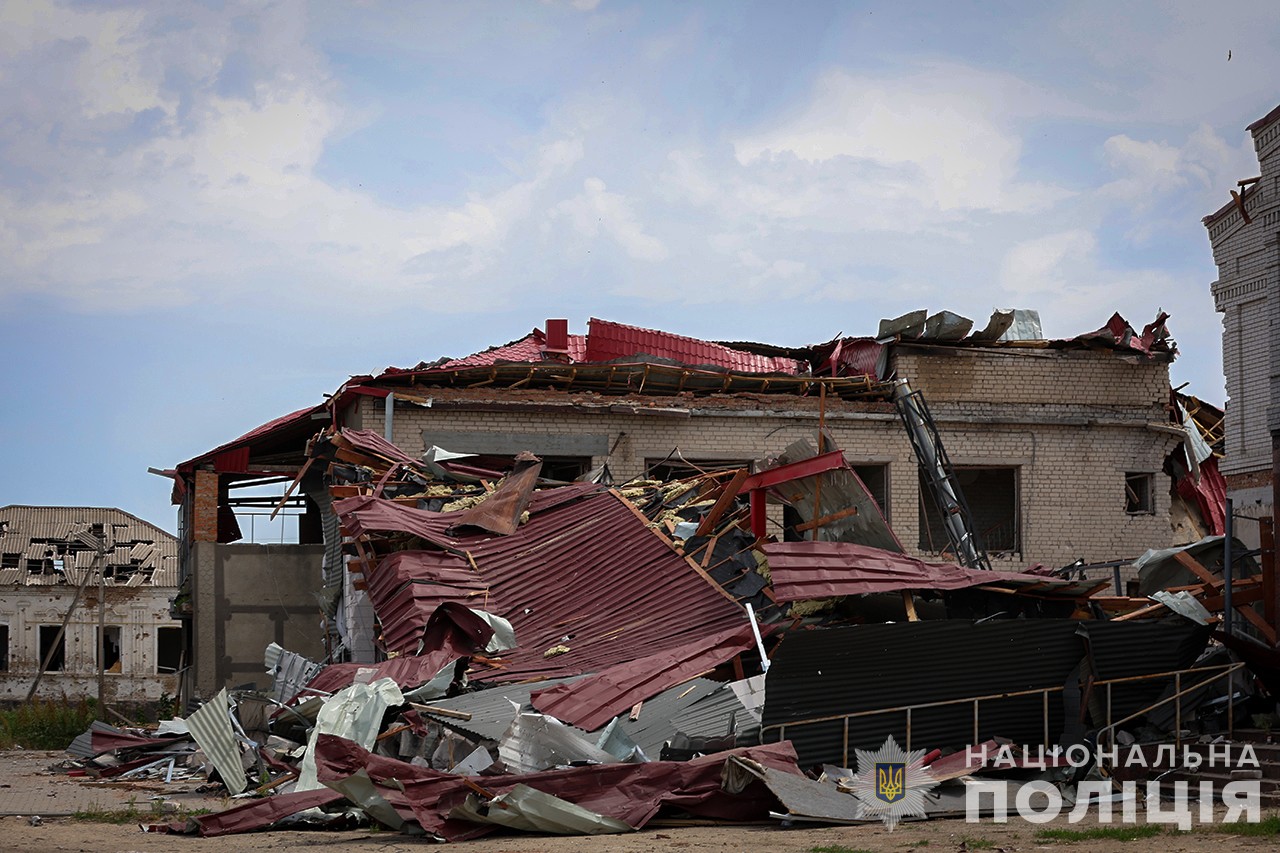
[[280, 423], [584, 572], [527, 349], [807, 570], [607, 341]]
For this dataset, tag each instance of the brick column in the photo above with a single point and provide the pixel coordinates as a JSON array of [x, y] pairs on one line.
[[204, 524]]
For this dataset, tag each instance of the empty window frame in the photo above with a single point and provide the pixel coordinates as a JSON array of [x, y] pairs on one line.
[[4, 648], [49, 640], [111, 657], [994, 502], [876, 478], [168, 650], [676, 467], [1139, 493]]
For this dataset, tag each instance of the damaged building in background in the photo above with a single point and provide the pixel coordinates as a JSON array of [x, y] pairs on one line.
[[64, 572], [1066, 450], [1247, 294]]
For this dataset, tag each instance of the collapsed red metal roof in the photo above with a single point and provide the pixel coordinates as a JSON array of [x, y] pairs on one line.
[[607, 341], [584, 573], [632, 793], [807, 570]]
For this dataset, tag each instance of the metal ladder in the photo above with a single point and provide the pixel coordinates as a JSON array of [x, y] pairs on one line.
[[947, 495]]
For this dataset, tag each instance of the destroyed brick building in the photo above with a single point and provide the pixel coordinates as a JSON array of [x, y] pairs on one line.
[[1246, 249], [1061, 447], [59, 564], [676, 612]]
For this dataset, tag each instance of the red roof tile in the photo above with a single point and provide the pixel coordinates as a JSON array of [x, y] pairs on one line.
[[607, 341]]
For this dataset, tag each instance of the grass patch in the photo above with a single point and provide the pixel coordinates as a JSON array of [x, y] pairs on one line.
[[43, 724], [1268, 827], [978, 843], [130, 813], [837, 848], [1128, 832]]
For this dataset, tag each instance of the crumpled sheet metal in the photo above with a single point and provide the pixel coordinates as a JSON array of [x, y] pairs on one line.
[[529, 810], [535, 742], [579, 545], [500, 511], [807, 570], [210, 726], [592, 701], [354, 713], [800, 796], [258, 814], [452, 632], [631, 793]]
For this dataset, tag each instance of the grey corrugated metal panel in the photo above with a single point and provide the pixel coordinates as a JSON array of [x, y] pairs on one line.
[[844, 670], [490, 709], [141, 551], [85, 559], [82, 746], [11, 576], [654, 726], [210, 726], [710, 716]]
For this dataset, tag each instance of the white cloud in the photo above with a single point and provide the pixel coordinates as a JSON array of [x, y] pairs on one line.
[[190, 154], [944, 136], [596, 211]]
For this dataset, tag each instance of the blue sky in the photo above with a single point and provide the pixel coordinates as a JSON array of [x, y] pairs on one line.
[[213, 213]]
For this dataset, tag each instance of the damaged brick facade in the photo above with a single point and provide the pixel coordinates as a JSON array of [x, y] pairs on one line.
[[1066, 426], [1245, 235]]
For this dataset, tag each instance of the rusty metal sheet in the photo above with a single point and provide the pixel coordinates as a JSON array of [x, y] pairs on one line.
[[500, 512]]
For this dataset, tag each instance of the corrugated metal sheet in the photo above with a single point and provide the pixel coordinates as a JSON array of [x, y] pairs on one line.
[[607, 341], [807, 570], [491, 708], [591, 703], [141, 550], [229, 451], [845, 670], [527, 349], [580, 544]]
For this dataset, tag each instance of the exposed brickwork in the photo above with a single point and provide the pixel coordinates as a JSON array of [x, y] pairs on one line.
[[204, 524], [1248, 480], [1072, 424]]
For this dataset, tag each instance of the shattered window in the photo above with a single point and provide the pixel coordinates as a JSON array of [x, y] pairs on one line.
[[168, 650], [992, 495], [4, 648], [10, 561], [1139, 493], [48, 635], [111, 661]]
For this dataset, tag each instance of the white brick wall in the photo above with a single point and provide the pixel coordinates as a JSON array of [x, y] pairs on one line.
[[1073, 423]]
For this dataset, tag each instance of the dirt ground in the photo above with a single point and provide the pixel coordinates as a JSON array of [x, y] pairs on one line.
[[947, 836], [28, 785]]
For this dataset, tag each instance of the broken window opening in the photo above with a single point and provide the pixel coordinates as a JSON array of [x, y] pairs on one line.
[[48, 633], [677, 467], [168, 650], [562, 468], [994, 503], [10, 560], [1139, 493], [4, 648], [111, 658], [876, 478]]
